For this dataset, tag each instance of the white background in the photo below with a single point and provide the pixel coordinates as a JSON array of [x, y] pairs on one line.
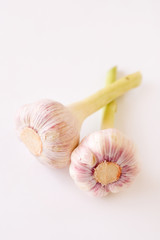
[[61, 50]]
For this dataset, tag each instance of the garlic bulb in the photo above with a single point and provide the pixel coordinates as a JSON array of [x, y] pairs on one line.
[[50, 130], [105, 160]]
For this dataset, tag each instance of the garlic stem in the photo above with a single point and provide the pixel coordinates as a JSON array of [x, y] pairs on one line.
[[104, 96], [110, 109]]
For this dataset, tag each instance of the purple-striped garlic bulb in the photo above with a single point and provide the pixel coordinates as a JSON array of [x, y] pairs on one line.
[[104, 161], [51, 130]]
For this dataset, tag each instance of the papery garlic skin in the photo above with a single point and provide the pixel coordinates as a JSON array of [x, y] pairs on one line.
[[55, 125], [108, 145]]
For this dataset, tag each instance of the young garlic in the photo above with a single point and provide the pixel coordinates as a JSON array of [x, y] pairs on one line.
[[50, 130], [105, 160]]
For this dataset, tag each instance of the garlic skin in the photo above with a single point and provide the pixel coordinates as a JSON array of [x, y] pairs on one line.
[[109, 146], [55, 125]]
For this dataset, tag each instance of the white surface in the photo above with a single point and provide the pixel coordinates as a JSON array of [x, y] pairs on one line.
[[61, 50]]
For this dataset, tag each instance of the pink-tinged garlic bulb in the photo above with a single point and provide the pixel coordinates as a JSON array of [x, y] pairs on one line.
[[104, 162], [51, 131]]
